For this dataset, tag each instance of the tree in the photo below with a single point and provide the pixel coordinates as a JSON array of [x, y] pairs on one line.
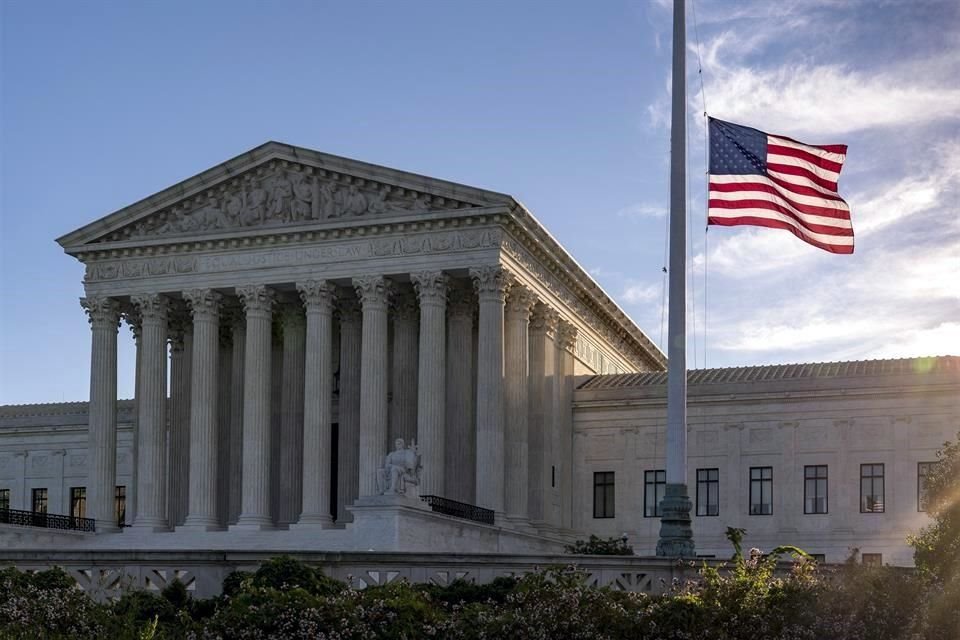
[[937, 546]]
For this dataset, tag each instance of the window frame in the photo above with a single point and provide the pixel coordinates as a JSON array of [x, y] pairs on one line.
[[873, 478], [816, 493], [659, 490], [120, 504], [78, 498], [761, 480], [871, 559], [921, 482], [39, 495], [707, 482], [4, 498], [605, 482]]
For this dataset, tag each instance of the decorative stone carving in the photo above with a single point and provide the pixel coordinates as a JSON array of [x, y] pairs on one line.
[[152, 306], [567, 336], [404, 305], [491, 280], [544, 319], [256, 297], [373, 290], [461, 301], [102, 311], [278, 194], [431, 286], [317, 293], [348, 306], [203, 303], [520, 301], [400, 474]]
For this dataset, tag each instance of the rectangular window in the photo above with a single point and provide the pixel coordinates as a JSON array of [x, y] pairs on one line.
[[923, 469], [120, 504], [708, 492], [872, 559], [603, 496], [4, 498], [39, 500], [871, 488], [78, 502], [654, 486], [815, 488], [761, 491]]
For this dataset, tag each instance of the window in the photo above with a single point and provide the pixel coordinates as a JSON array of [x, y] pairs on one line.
[[4, 498], [603, 494], [120, 504], [815, 488], [39, 500], [708, 492], [819, 558], [78, 502], [923, 469], [761, 491], [872, 559], [654, 486], [871, 488]]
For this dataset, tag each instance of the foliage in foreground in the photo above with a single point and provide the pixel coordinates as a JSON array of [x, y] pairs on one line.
[[751, 599], [601, 547]]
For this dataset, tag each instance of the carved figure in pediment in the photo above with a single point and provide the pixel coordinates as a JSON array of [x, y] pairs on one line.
[[280, 198], [256, 208], [420, 203], [233, 206], [209, 216], [329, 200], [378, 201], [303, 199], [355, 203]]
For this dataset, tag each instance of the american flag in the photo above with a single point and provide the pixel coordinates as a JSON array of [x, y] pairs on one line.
[[771, 181]]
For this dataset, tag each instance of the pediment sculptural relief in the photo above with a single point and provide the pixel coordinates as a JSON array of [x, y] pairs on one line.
[[282, 194]]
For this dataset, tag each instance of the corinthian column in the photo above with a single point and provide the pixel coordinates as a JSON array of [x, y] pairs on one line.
[[239, 333], [318, 298], [403, 406], [374, 294], [542, 328], [132, 317], [152, 419], [291, 413], [257, 303], [516, 384], [202, 502], [461, 432], [348, 443], [178, 414], [431, 287], [104, 315], [491, 283]]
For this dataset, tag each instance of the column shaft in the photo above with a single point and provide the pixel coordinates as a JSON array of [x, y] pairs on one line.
[[104, 314], [255, 503], [374, 292], [224, 434], [491, 283], [348, 443], [239, 330], [403, 406], [431, 290], [151, 483], [461, 439], [318, 298], [516, 387], [179, 328], [540, 399], [292, 408], [204, 392]]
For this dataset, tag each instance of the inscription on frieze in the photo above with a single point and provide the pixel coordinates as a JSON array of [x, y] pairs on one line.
[[282, 193]]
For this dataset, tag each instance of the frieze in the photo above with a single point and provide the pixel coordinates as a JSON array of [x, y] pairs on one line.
[[414, 244], [282, 193], [592, 356]]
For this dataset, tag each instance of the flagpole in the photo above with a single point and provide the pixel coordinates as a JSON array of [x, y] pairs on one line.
[[676, 534]]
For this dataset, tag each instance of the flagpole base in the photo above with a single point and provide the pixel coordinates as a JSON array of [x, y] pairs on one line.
[[676, 532]]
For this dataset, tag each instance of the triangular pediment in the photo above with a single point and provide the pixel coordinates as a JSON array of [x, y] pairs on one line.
[[276, 186]]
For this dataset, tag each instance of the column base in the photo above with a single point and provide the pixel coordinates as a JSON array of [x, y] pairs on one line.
[[307, 522], [253, 523], [153, 525], [676, 533], [518, 523], [199, 524]]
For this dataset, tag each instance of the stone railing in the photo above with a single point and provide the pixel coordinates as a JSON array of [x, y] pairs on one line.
[[106, 574]]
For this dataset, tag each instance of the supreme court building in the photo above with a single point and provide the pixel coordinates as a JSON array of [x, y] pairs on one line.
[[297, 314]]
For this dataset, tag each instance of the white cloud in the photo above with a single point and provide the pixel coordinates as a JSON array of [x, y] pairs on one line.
[[643, 210], [640, 293]]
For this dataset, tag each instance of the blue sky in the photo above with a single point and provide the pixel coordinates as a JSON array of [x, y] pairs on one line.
[[562, 104]]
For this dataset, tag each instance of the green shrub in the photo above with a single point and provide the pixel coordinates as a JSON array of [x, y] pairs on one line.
[[600, 547]]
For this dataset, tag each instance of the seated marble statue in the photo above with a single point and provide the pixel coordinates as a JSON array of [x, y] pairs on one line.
[[401, 470]]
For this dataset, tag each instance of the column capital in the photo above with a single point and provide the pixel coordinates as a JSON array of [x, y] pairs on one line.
[[102, 312], [431, 286], [348, 307], [403, 305], [256, 298], [520, 301], [567, 336], [204, 304], [175, 333], [544, 319], [491, 281], [152, 306], [373, 291], [131, 315], [461, 302], [317, 295]]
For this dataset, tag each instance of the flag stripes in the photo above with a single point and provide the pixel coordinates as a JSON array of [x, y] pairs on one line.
[[776, 182]]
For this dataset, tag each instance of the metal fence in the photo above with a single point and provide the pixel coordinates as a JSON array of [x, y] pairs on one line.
[[47, 520], [456, 509]]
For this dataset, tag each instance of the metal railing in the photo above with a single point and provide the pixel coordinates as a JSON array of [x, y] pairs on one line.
[[456, 509], [47, 520]]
